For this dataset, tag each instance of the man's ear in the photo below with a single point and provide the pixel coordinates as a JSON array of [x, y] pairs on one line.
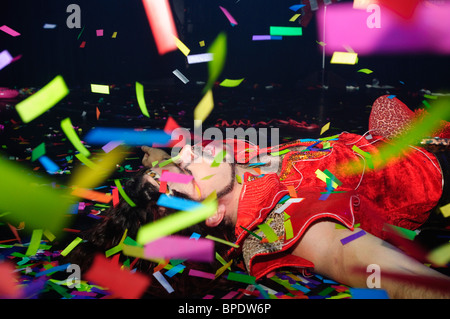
[[217, 218]]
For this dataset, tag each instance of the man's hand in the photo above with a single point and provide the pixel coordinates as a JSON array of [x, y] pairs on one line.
[[152, 155]]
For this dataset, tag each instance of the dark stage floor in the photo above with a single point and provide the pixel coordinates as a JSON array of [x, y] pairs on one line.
[[345, 109]]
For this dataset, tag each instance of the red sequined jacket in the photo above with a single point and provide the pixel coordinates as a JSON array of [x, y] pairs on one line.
[[401, 193]]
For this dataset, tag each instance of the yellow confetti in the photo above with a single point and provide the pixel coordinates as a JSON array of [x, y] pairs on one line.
[[445, 210], [295, 17], [98, 88], [204, 108], [325, 128], [441, 255], [181, 46], [344, 58]]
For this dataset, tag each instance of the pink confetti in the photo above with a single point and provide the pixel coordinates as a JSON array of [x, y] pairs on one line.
[[10, 31], [202, 274], [175, 177], [229, 16], [179, 247]]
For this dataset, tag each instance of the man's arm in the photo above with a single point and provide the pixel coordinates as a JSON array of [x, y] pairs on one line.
[[321, 244]]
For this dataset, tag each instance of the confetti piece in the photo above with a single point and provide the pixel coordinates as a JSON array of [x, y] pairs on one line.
[[368, 293], [366, 71], [440, 256], [445, 210], [294, 17], [181, 76], [286, 31], [223, 241], [9, 287], [290, 201], [69, 131], [35, 241], [332, 178], [202, 43], [175, 270], [92, 195], [288, 229], [162, 24], [231, 83], [366, 155], [43, 100], [83, 44], [230, 295], [71, 246], [325, 128], [323, 177], [141, 99], [280, 152], [103, 135], [352, 237], [269, 232], [10, 31], [114, 35], [123, 194], [49, 235], [108, 147], [222, 269], [163, 282], [121, 282], [178, 247], [181, 46], [167, 176], [218, 50], [266, 37], [432, 97], [5, 59], [39, 207], [229, 16], [100, 88], [50, 166], [241, 278], [218, 159], [292, 191], [400, 231], [344, 58], [201, 274], [200, 58], [207, 177], [37, 152], [296, 7], [204, 107], [177, 203], [175, 222], [99, 32], [86, 161]]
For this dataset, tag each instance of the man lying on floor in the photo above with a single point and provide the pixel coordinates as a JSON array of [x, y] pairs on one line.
[[402, 193]]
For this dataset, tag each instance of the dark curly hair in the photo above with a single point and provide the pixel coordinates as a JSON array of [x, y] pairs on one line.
[[108, 232]]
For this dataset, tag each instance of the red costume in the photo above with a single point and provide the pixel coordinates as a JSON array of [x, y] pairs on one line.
[[401, 193]]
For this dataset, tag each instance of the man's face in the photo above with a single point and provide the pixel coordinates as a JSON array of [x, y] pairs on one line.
[[197, 162]]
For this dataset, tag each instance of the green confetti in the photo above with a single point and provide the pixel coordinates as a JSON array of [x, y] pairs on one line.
[[123, 194], [241, 278], [219, 51], [38, 151], [35, 241], [366, 71], [43, 100]]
